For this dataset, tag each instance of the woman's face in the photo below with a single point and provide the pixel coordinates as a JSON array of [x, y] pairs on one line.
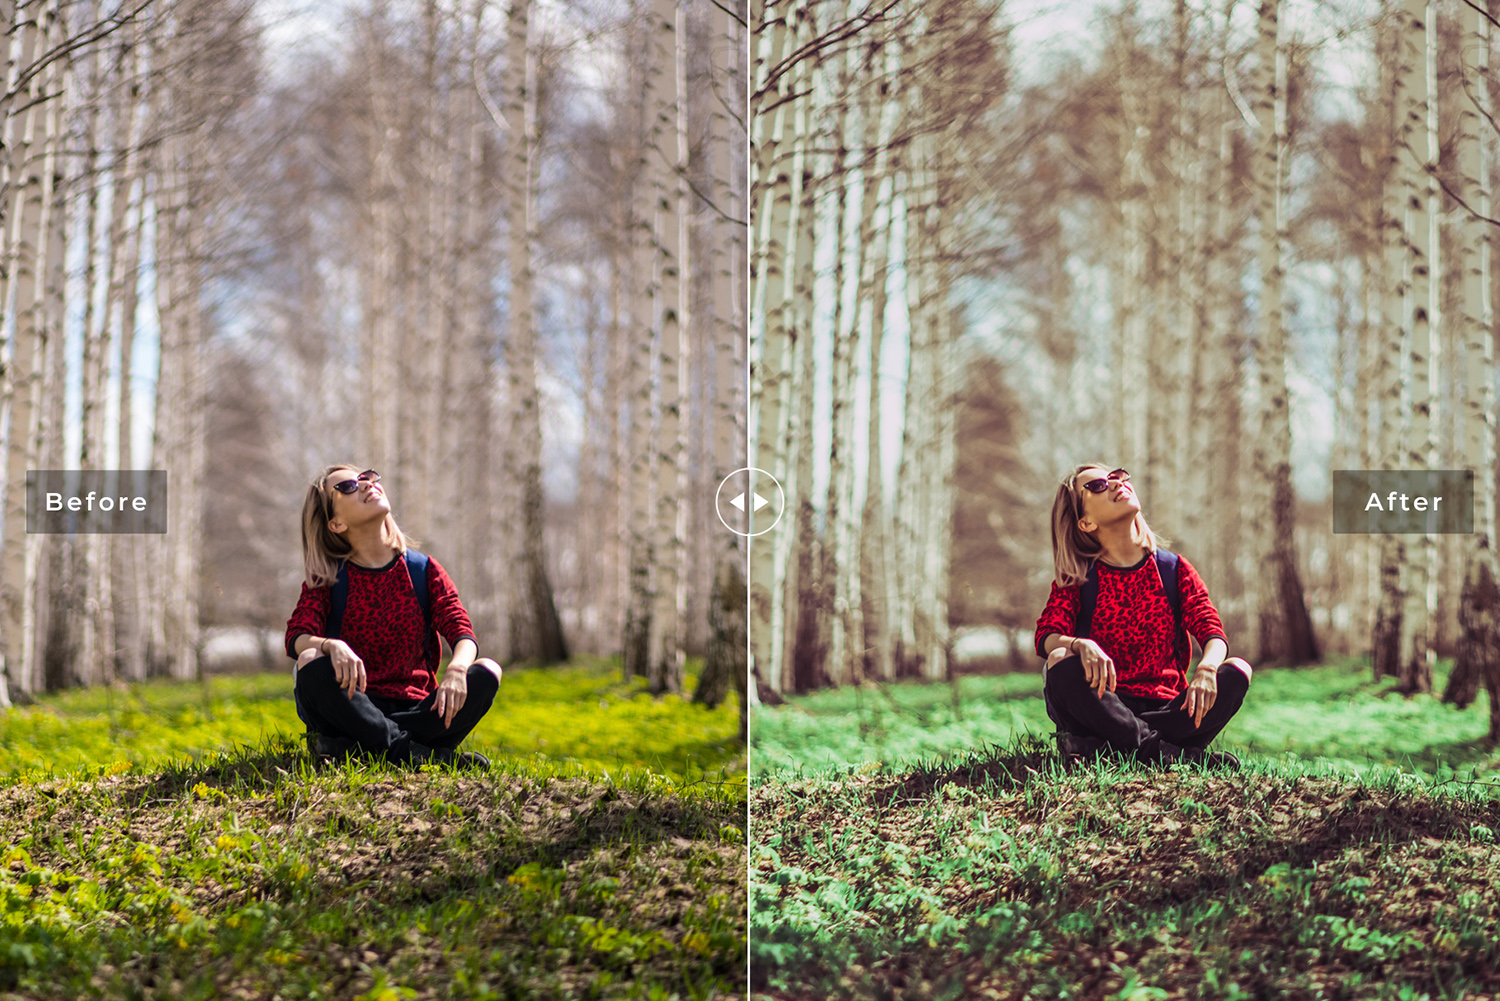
[[1115, 504], [365, 505]]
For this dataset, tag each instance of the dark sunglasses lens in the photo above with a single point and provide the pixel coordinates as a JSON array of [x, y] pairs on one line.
[[1119, 474], [349, 486], [1096, 486]]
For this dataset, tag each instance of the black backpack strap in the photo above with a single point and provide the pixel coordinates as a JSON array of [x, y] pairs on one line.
[[338, 600], [1166, 565], [416, 566], [1088, 597]]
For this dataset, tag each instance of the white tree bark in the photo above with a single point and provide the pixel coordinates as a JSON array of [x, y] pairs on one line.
[[1426, 291], [24, 259], [542, 638], [669, 139], [1477, 661]]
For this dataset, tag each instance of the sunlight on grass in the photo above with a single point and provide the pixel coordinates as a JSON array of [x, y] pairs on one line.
[[581, 715]]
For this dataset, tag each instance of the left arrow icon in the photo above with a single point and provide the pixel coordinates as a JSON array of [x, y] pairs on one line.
[[739, 501]]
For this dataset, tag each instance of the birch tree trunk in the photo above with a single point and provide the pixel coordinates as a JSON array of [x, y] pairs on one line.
[[1286, 628], [1478, 655], [24, 258], [669, 132], [725, 667], [802, 552], [841, 578], [644, 303], [542, 640], [1426, 290], [875, 531], [56, 600], [1216, 397], [769, 349], [783, 342], [1385, 640], [91, 619]]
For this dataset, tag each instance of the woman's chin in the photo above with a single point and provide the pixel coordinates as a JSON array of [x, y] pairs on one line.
[[376, 515]]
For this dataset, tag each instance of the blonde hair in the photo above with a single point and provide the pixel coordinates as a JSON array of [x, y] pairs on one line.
[[1073, 549], [323, 549]]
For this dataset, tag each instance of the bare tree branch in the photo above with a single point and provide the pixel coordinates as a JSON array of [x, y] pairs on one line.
[[839, 33]]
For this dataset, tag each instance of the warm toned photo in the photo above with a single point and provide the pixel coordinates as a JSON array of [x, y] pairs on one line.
[[1117, 361]]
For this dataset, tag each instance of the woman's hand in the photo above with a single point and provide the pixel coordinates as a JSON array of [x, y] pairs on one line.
[[347, 666], [1098, 666], [451, 694], [1202, 691]]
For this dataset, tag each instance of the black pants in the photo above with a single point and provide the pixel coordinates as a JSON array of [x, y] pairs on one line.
[[388, 726], [1133, 724]]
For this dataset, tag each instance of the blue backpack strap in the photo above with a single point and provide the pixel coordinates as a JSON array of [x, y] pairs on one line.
[[416, 566], [1166, 565], [338, 600], [1088, 597]]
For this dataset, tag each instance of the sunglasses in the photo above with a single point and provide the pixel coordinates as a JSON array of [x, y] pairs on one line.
[[370, 476], [1102, 484]]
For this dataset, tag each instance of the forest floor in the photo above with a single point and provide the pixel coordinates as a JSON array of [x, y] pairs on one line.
[[608, 862], [1325, 868]]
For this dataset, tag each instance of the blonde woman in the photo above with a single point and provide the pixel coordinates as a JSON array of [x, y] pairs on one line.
[[1115, 633], [365, 634]]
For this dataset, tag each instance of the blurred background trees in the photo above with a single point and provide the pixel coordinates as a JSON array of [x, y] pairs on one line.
[[454, 240], [1230, 246]]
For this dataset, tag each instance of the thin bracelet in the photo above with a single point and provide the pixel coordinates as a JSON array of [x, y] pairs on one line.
[[323, 646], [1071, 648]]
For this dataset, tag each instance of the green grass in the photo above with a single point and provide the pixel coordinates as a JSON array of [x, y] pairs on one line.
[[907, 842], [998, 875], [603, 856], [1332, 713], [581, 714]]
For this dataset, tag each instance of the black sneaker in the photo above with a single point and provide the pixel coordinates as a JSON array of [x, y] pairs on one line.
[[324, 747], [421, 754], [1076, 749], [472, 760], [1218, 760]]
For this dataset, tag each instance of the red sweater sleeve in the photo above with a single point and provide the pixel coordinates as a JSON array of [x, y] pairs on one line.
[[1059, 615], [448, 615], [310, 616], [1199, 617]]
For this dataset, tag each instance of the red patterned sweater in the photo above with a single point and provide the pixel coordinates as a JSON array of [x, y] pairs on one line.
[[1133, 624], [383, 625]]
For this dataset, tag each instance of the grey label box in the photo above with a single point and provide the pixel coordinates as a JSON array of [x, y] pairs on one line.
[[96, 501], [1403, 502]]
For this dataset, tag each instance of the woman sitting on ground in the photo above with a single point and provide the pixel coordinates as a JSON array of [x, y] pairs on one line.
[[372, 684], [1121, 680]]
